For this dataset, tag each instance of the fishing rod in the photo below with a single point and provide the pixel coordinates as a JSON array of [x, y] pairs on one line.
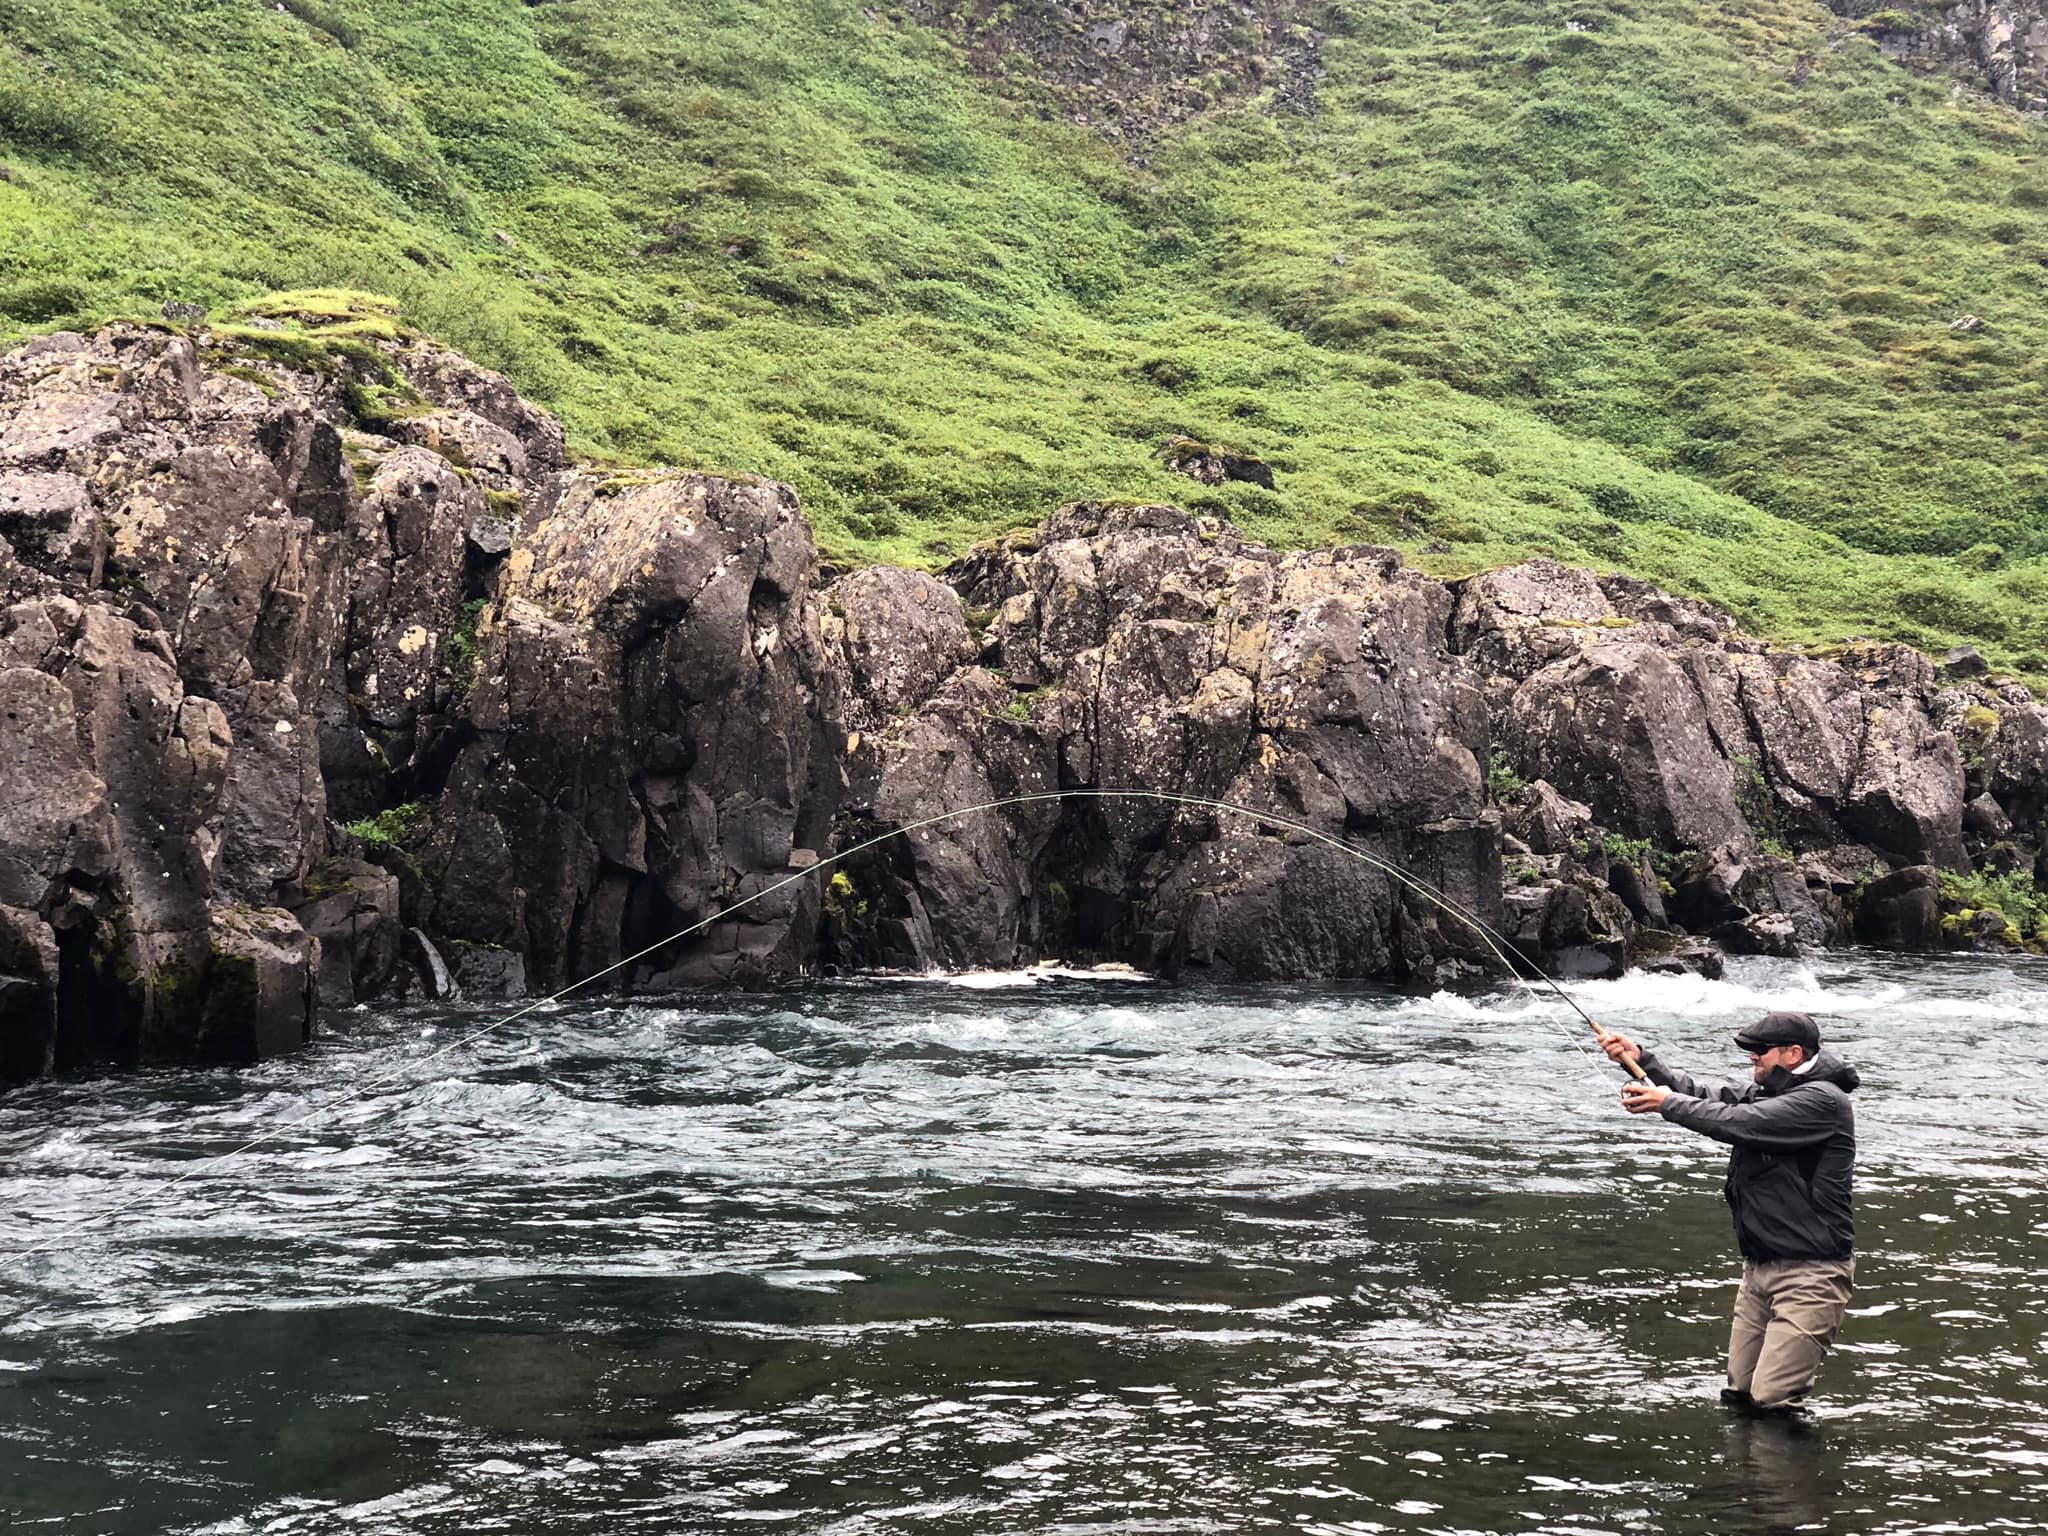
[[1499, 943]]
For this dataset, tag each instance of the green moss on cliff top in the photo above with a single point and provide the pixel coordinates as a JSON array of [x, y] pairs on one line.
[[1648, 285]]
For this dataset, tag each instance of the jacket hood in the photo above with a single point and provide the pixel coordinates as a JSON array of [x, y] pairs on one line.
[[1827, 1068]]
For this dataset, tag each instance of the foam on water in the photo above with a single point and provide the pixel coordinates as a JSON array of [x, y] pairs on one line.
[[709, 1262], [1693, 996], [1029, 976]]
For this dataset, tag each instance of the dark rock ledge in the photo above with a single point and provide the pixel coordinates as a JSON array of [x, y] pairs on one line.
[[332, 680]]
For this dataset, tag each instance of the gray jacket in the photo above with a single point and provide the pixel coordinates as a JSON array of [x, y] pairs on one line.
[[1794, 1153]]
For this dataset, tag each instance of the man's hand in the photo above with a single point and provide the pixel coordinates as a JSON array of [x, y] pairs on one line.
[[1643, 1098], [1618, 1046]]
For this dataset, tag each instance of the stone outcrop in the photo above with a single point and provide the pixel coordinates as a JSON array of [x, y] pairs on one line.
[[2001, 44], [1142, 649], [326, 677], [1673, 727], [171, 597], [652, 737], [308, 641]]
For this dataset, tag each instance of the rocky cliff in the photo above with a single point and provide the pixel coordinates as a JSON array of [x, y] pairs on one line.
[[2001, 44], [325, 677]]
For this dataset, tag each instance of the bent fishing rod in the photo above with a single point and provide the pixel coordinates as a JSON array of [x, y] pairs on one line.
[[1501, 946]]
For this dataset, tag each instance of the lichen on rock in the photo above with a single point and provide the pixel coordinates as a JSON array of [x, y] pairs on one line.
[[325, 676]]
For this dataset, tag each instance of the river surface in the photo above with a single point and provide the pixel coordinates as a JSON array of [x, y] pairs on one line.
[[1082, 1255]]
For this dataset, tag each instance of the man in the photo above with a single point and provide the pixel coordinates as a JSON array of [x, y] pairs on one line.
[[1794, 1138]]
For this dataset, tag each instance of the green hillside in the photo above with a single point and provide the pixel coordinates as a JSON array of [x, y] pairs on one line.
[[1658, 286]]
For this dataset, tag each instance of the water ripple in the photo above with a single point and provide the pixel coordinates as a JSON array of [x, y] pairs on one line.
[[1069, 1256]]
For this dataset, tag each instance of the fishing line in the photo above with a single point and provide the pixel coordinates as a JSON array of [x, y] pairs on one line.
[[1499, 943]]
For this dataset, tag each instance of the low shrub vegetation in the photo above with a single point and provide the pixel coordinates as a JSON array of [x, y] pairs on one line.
[[1671, 289]]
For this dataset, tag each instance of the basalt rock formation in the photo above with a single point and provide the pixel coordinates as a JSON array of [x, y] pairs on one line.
[[309, 643], [1143, 649], [324, 676]]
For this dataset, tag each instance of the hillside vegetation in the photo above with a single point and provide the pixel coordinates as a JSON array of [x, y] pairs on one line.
[[1666, 287]]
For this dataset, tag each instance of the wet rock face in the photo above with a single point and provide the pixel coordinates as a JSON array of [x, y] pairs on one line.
[[652, 738], [351, 908], [1141, 649], [1902, 910]]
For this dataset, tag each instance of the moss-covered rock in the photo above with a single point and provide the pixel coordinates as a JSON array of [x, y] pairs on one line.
[[260, 986]]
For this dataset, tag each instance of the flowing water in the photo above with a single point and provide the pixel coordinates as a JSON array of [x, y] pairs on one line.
[[1085, 1255]]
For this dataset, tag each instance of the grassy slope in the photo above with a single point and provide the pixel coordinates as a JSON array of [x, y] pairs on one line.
[[1671, 292]]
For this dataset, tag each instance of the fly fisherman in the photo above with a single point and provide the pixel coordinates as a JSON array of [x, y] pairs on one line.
[[1793, 1135]]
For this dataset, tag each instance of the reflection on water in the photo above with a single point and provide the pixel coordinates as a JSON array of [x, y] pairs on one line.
[[1075, 1257]]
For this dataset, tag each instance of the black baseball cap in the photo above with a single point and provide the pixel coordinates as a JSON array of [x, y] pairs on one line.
[[1780, 1029]]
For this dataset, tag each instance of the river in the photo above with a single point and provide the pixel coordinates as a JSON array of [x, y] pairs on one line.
[[1073, 1255]]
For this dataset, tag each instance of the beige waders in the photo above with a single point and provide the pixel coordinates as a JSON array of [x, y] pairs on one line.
[[1786, 1316]]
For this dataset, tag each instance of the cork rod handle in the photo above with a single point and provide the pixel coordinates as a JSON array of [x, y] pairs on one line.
[[1635, 1068]]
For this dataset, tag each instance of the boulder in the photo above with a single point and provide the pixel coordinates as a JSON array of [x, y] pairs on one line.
[[1965, 661], [1984, 817], [62, 424], [1664, 953], [48, 518], [1758, 934], [1806, 721], [900, 635], [1515, 621], [1986, 930], [261, 995], [1906, 797], [1842, 869], [1686, 619], [2016, 765], [1635, 882], [468, 441], [484, 971], [351, 908], [1902, 910], [1570, 924], [453, 383], [1620, 727], [1547, 822]]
